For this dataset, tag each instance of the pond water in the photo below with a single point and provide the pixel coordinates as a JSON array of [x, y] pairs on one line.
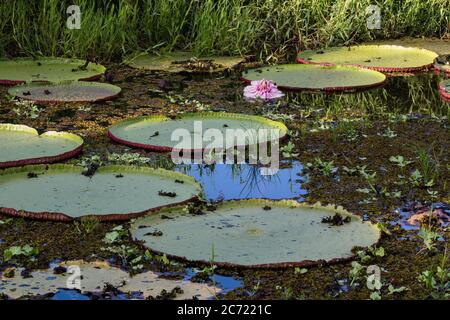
[[244, 181]]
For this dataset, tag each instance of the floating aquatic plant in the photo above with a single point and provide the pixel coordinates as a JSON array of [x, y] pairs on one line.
[[72, 91], [182, 61], [98, 275], [262, 89], [63, 193], [385, 58], [54, 70], [22, 145], [244, 233], [155, 132], [297, 77]]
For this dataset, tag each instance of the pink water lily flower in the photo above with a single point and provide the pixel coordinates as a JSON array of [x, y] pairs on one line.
[[263, 89]]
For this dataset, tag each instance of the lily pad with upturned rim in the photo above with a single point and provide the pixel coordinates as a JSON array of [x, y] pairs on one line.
[[442, 64], [97, 275], [154, 132], [21, 145], [298, 77], [63, 193], [385, 58], [444, 89], [21, 70], [73, 91], [180, 61], [256, 234]]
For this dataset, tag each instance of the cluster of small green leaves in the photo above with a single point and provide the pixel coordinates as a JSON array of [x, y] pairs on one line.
[[17, 251]]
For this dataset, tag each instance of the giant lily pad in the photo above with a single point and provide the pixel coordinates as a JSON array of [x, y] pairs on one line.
[[317, 78], [256, 233], [444, 89], [155, 132], [182, 61], [386, 58], [62, 192], [47, 70], [21, 145], [440, 46], [73, 91], [94, 276]]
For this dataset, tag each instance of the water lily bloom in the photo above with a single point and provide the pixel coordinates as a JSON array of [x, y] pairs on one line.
[[263, 89]]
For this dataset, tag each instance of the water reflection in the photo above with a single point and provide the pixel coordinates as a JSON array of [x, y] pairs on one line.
[[244, 181], [401, 94]]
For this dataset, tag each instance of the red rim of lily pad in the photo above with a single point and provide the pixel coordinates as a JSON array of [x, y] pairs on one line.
[[18, 91], [201, 115], [42, 160], [331, 89], [62, 217], [445, 94], [305, 60], [442, 67]]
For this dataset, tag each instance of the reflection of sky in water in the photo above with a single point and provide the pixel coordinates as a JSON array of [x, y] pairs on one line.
[[245, 181], [226, 283]]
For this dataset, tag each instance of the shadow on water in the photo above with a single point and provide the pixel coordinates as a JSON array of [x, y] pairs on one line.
[[244, 181]]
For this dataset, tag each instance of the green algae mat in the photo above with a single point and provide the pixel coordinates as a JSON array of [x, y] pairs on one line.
[[256, 233], [54, 70], [21, 145], [182, 61], [155, 132], [73, 91], [297, 77], [444, 89], [63, 192], [385, 58]]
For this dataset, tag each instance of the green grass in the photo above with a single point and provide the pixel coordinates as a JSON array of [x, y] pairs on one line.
[[270, 29]]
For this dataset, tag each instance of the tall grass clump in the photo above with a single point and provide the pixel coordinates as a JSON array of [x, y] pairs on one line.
[[271, 29]]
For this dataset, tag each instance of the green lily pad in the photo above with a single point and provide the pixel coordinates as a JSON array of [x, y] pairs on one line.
[[73, 91], [54, 70], [295, 77], [95, 276], [182, 61], [62, 192], [440, 46], [256, 233], [444, 89], [21, 145], [155, 132], [386, 58]]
